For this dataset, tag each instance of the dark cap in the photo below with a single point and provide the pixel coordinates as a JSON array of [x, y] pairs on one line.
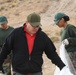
[[3, 20], [58, 16], [34, 19]]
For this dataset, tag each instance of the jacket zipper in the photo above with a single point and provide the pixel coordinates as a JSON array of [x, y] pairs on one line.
[[29, 57]]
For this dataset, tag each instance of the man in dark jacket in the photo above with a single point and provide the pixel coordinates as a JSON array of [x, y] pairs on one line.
[[27, 44]]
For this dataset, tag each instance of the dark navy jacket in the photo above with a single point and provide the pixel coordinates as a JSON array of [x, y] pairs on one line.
[[24, 63]]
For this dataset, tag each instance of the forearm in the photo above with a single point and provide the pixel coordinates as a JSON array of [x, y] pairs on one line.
[[72, 41], [57, 61]]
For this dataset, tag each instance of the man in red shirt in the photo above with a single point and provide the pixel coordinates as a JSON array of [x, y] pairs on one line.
[[28, 43]]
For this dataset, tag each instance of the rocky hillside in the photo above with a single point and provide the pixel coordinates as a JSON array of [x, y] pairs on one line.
[[17, 10]]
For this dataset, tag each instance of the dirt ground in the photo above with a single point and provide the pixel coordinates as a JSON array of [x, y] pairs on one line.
[[17, 10]]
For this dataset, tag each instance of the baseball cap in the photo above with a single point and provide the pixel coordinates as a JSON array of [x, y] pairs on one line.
[[3, 20], [58, 17], [34, 19]]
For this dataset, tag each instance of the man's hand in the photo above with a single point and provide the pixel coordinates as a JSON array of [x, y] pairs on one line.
[[65, 42]]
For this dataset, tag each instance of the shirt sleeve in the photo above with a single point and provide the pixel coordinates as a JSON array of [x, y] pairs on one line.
[[72, 37], [51, 53]]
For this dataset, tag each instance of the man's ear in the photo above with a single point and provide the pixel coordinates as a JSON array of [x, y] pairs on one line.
[[26, 21]]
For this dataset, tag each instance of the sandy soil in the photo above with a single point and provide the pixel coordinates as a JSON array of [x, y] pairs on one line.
[[17, 10]]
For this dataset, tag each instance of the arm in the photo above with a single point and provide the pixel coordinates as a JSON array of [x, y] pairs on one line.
[[51, 53], [72, 33]]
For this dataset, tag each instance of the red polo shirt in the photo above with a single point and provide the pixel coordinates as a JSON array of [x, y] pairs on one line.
[[30, 40]]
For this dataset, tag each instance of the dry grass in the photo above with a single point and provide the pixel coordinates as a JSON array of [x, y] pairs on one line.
[[54, 39]]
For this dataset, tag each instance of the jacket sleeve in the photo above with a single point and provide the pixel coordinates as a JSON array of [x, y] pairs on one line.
[[51, 53], [72, 34], [7, 47]]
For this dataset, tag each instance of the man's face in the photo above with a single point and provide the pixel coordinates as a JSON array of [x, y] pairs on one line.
[[61, 23], [4, 26], [31, 29]]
